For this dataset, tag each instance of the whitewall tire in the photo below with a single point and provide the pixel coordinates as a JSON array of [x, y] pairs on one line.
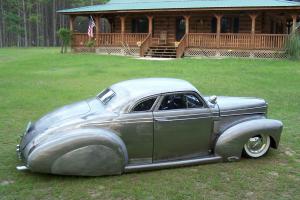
[[257, 146]]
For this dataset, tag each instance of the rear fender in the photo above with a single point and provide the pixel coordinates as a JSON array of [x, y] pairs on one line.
[[85, 152], [231, 142]]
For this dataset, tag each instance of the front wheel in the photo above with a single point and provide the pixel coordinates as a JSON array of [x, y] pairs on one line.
[[257, 146]]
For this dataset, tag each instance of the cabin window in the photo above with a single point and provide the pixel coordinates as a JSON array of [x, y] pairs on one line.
[[180, 101], [139, 25], [145, 105], [236, 24], [213, 25], [228, 25]]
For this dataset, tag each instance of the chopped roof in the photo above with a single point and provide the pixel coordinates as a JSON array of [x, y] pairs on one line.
[[151, 86], [133, 5]]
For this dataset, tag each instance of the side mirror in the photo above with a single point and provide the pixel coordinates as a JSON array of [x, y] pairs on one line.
[[213, 99]]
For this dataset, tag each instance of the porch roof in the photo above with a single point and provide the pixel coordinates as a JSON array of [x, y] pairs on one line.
[[144, 5]]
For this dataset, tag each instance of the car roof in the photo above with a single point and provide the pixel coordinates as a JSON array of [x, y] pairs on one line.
[[131, 91], [151, 86]]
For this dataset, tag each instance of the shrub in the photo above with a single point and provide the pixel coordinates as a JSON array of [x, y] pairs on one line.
[[293, 46], [89, 43], [65, 37]]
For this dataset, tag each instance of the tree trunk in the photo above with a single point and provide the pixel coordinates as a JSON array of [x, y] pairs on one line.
[[62, 48], [24, 23], [29, 26], [37, 24], [19, 37], [66, 48], [3, 28], [1, 25], [54, 21]]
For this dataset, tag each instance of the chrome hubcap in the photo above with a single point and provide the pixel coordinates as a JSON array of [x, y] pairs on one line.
[[257, 144]]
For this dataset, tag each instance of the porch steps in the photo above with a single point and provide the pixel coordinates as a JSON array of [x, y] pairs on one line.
[[162, 52]]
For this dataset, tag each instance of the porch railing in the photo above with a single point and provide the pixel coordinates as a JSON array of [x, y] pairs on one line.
[[146, 43], [203, 40], [270, 41], [182, 45], [199, 40], [238, 41], [79, 39], [134, 38], [108, 39]]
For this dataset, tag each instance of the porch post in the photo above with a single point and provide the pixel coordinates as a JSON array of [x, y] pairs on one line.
[[219, 17], [97, 22], [294, 17], [187, 24], [253, 24], [187, 28], [122, 27], [71, 22], [150, 24]]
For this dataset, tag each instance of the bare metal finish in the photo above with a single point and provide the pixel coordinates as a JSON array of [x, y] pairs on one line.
[[146, 124]]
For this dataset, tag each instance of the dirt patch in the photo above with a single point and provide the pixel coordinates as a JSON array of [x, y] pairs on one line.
[[274, 174], [6, 182], [156, 59], [98, 192]]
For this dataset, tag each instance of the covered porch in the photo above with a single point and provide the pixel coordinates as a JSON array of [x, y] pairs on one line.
[[196, 33]]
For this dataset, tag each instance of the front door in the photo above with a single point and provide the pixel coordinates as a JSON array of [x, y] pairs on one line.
[[180, 28], [182, 127], [136, 128]]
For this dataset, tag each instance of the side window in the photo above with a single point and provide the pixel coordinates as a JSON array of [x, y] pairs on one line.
[[145, 105], [172, 102], [180, 101], [193, 101]]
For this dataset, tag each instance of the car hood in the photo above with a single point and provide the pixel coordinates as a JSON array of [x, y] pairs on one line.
[[62, 114], [241, 105], [67, 116]]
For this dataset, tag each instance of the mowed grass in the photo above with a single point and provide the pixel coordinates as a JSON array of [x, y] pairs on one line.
[[35, 81]]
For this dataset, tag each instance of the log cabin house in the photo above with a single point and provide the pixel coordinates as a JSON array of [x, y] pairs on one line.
[[176, 28]]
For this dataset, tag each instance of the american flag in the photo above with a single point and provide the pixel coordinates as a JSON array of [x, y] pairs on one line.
[[91, 27]]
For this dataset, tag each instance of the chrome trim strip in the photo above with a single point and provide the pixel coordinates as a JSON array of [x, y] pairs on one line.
[[164, 119], [161, 165], [250, 108], [239, 114], [116, 122], [208, 114]]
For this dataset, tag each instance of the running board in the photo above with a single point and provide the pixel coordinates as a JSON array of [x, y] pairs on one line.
[[179, 163]]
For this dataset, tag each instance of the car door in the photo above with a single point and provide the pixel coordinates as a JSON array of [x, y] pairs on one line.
[[136, 128], [182, 127]]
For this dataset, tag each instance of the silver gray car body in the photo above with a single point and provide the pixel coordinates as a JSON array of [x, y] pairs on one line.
[[93, 138]]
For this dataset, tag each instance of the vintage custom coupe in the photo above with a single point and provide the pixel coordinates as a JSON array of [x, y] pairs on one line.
[[147, 124]]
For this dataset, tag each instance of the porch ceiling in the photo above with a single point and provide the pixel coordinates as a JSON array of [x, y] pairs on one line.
[[144, 5]]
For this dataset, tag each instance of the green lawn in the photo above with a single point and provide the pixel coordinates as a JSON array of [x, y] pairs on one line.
[[35, 81]]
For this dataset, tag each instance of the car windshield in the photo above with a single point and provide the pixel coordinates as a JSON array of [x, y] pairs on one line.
[[106, 95]]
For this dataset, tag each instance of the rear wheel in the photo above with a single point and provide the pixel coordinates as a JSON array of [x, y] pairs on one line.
[[257, 146]]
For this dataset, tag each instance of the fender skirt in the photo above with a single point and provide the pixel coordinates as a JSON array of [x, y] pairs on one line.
[[231, 142], [82, 152]]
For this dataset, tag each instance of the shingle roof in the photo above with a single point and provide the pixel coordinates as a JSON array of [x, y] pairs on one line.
[[124, 5]]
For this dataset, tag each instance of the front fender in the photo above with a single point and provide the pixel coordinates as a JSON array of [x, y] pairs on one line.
[[85, 152], [230, 143]]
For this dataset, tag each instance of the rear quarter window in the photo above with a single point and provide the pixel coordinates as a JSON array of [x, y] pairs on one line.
[[144, 105]]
